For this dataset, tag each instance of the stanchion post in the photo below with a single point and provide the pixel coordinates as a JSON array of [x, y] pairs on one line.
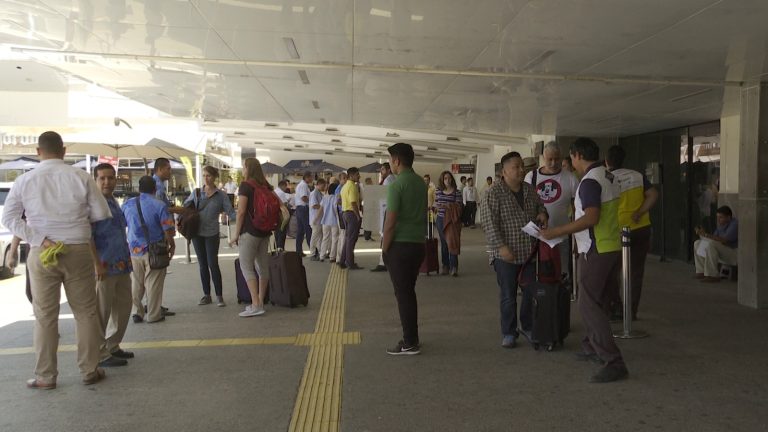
[[626, 279]]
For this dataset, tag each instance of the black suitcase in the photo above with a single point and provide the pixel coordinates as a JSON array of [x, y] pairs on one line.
[[287, 280], [551, 310]]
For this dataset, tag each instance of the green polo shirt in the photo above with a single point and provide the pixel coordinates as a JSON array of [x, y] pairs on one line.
[[407, 196]]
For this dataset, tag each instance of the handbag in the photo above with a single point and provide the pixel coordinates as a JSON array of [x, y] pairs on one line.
[[159, 252], [189, 219]]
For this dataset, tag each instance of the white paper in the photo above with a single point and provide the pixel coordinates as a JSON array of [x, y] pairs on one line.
[[702, 249], [532, 230]]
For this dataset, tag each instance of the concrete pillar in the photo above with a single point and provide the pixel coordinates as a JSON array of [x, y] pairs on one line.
[[753, 197]]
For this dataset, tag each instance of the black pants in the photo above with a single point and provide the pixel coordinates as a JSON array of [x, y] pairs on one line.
[[302, 227], [280, 235], [595, 270], [470, 211], [403, 261]]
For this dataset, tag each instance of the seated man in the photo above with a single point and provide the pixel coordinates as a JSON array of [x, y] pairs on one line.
[[718, 247]]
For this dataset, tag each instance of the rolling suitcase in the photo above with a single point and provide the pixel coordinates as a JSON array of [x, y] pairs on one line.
[[551, 299], [430, 263], [287, 280]]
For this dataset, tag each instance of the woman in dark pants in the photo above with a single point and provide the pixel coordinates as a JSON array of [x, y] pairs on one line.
[[210, 202], [447, 194]]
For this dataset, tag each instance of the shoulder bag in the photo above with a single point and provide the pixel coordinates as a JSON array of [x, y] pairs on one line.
[[159, 252]]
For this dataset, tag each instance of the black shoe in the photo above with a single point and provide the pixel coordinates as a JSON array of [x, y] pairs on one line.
[[163, 309], [113, 362], [162, 318], [137, 319], [402, 349], [123, 354], [591, 357], [355, 267], [166, 312], [314, 258], [341, 265], [379, 268], [608, 374]]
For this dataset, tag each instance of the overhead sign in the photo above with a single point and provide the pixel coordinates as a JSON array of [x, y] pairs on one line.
[[463, 168]]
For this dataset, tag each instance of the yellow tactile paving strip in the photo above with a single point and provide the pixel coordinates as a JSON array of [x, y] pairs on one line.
[[318, 403]]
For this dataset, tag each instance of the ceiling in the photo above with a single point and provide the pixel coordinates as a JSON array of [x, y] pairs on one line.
[[485, 72]]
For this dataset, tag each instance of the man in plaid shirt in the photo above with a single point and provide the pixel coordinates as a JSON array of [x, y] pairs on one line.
[[508, 206]]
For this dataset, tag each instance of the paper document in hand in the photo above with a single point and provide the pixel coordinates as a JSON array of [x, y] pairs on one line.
[[532, 230], [703, 246]]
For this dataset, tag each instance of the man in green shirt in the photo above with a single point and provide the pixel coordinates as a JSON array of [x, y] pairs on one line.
[[403, 246]]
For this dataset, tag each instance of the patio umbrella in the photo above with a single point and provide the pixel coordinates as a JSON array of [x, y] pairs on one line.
[[22, 163], [269, 169], [371, 168], [84, 163], [328, 167]]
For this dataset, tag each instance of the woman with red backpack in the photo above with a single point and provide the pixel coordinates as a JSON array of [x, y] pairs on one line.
[[258, 215]]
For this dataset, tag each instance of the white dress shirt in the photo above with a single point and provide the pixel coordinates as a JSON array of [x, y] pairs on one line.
[[389, 180], [469, 194], [302, 190], [285, 198], [60, 203], [230, 188]]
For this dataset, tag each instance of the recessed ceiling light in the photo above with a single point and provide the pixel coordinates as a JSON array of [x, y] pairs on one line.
[[290, 45], [258, 143], [298, 146], [329, 153], [316, 104], [331, 129], [383, 145], [270, 125], [303, 76], [287, 149], [336, 140], [452, 138], [369, 156], [287, 137], [18, 67], [392, 135], [432, 148], [239, 133], [338, 149]]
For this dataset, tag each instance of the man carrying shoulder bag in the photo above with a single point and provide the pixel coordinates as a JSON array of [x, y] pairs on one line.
[[150, 238]]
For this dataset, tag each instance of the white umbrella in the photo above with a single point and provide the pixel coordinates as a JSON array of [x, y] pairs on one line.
[[21, 163], [153, 149]]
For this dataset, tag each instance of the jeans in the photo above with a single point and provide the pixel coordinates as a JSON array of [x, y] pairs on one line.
[[506, 277], [403, 261], [448, 259], [207, 250], [302, 227]]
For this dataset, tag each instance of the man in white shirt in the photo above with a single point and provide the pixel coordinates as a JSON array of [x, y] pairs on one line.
[[230, 187], [557, 190], [60, 203], [287, 199], [302, 213], [315, 216], [469, 195]]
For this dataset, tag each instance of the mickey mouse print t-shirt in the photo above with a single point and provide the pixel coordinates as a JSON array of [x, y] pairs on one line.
[[556, 192]]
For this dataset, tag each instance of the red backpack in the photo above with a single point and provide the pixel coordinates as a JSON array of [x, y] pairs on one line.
[[266, 208]]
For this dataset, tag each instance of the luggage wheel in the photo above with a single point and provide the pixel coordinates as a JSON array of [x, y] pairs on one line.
[[536, 346], [550, 347]]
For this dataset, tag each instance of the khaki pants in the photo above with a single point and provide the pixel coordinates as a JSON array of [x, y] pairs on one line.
[[114, 299], [317, 240], [330, 236], [340, 244], [716, 253], [149, 281], [75, 271]]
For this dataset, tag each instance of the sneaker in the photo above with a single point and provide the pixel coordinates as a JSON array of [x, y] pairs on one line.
[[379, 268], [205, 300], [39, 385], [251, 310], [113, 361], [608, 374], [314, 258], [402, 349], [220, 301], [508, 341]]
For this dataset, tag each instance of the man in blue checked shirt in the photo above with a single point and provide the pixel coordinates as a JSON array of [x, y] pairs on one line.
[[113, 281]]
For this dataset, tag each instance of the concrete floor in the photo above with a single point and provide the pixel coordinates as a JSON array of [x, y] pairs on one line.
[[702, 369]]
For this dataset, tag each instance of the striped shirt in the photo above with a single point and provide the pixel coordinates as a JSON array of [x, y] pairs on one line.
[[503, 219], [442, 198]]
